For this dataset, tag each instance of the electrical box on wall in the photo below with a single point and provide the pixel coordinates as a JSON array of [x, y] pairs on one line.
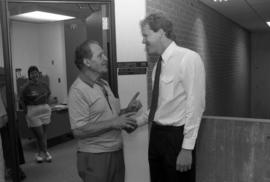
[[105, 23], [131, 68]]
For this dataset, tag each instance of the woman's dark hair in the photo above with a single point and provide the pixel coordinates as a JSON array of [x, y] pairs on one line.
[[31, 69]]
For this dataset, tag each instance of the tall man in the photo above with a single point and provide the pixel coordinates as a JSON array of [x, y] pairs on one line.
[[96, 119], [178, 101]]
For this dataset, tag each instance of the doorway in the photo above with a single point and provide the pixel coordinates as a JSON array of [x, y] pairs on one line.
[[50, 46]]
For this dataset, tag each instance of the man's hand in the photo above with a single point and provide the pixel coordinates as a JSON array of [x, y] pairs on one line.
[[184, 160], [134, 104], [130, 130], [125, 122]]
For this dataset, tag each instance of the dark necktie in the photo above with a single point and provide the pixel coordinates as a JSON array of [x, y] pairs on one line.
[[155, 92]]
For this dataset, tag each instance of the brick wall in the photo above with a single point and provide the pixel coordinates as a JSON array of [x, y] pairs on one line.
[[224, 47]]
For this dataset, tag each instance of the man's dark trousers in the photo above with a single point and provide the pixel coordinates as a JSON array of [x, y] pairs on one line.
[[164, 146]]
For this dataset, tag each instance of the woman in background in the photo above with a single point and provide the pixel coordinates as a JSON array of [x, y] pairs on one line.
[[35, 95]]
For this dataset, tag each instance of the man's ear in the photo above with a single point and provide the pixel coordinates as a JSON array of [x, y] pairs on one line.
[[86, 62]]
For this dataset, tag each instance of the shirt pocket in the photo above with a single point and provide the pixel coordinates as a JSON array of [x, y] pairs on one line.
[[166, 87]]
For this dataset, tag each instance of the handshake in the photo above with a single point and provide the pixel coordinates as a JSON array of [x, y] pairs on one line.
[[130, 124]]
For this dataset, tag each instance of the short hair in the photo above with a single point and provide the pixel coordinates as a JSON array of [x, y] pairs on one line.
[[157, 21], [83, 51], [31, 69]]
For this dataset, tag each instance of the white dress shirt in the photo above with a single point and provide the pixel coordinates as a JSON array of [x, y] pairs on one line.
[[181, 92]]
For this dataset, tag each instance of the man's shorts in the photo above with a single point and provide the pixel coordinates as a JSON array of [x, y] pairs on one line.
[[38, 115]]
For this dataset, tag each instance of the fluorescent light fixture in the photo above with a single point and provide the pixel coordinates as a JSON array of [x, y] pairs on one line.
[[41, 16], [220, 0], [268, 23]]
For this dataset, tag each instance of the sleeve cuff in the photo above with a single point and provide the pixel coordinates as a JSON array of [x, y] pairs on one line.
[[188, 144]]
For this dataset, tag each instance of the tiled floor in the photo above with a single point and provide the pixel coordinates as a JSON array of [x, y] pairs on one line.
[[62, 168]]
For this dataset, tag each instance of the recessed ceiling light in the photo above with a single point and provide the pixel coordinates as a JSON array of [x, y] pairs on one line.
[[41, 16], [268, 23]]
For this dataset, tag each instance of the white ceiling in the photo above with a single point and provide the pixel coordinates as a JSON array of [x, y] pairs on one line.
[[250, 14]]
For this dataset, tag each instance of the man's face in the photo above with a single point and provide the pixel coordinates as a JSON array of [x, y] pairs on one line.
[[151, 40], [99, 61]]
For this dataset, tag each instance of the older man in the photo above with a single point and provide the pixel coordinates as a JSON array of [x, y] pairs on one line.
[[96, 119]]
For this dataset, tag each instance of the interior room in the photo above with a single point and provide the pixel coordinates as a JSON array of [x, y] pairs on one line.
[[231, 36], [50, 45]]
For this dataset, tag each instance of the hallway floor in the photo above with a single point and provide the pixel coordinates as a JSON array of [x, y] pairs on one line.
[[61, 169]]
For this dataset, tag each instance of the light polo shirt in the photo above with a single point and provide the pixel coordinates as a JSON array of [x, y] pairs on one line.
[[181, 92], [88, 104]]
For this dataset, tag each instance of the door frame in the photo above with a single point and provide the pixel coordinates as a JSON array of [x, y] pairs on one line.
[[112, 47], [7, 55], [12, 124]]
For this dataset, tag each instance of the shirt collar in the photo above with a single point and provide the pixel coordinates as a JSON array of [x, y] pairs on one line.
[[86, 80], [91, 82], [168, 51]]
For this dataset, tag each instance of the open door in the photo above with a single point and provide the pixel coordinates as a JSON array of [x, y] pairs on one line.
[[50, 45]]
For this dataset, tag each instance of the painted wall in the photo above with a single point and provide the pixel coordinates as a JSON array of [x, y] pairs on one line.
[[128, 14], [40, 45], [260, 88], [25, 46], [52, 58]]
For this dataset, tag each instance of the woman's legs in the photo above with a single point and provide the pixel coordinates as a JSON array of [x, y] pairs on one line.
[[41, 142], [41, 136], [38, 117], [48, 156], [44, 141]]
